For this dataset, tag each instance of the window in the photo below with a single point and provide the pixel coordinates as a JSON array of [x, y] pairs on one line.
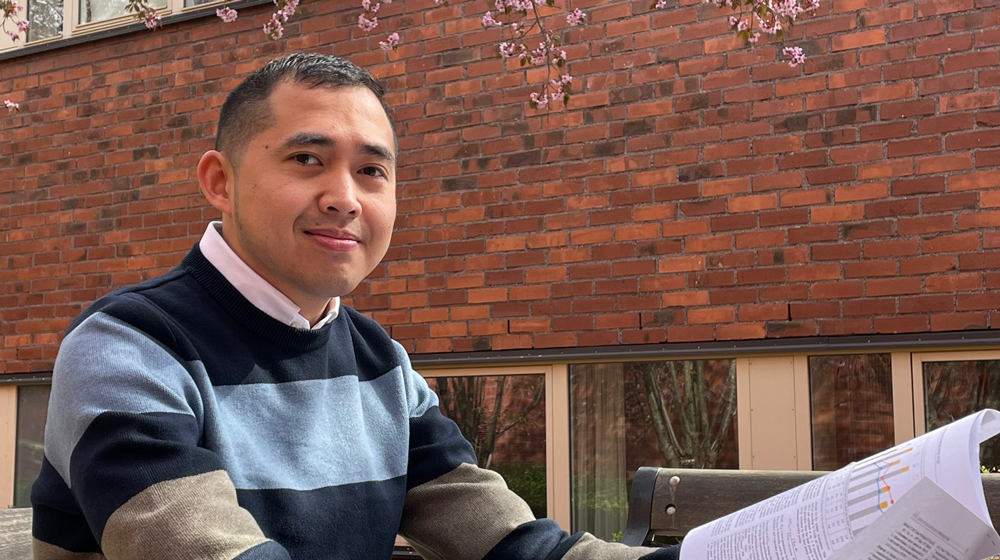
[[32, 406], [98, 10], [851, 407], [45, 18], [632, 414], [953, 389], [503, 416], [53, 19]]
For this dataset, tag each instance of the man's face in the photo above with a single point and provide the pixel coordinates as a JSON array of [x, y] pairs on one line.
[[314, 195]]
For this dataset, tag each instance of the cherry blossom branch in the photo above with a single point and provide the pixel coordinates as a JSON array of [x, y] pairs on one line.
[[144, 12], [10, 10], [765, 16]]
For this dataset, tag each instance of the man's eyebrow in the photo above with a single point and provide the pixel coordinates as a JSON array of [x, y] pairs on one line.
[[308, 139], [311, 139], [378, 151]]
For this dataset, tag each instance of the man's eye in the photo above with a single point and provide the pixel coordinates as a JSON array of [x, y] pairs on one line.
[[306, 159], [373, 171]]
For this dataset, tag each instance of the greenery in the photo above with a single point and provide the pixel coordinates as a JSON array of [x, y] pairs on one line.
[[526, 479]]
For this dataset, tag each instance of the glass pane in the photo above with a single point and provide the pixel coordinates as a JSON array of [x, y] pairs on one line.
[[851, 399], [196, 2], [956, 389], [627, 415], [32, 406], [45, 18], [503, 416], [97, 10]]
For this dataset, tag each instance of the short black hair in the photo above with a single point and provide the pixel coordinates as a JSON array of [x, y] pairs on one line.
[[247, 110]]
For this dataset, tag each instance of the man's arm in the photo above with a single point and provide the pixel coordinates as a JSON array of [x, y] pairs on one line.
[[455, 510], [123, 472]]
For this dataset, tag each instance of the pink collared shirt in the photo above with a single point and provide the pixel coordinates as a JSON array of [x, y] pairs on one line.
[[252, 286]]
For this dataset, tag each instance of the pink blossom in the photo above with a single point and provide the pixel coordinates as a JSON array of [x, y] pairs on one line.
[[390, 42], [795, 54], [488, 21], [788, 8], [151, 19], [11, 106], [507, 49], [539, 101], [575, 17], [754, 38], [274, 28], [367, 24], [227, 14], [371, 6], [13, 35], [22, 25]]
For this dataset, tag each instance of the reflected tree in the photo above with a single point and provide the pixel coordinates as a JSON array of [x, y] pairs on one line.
[[476, 404], [691, 407]]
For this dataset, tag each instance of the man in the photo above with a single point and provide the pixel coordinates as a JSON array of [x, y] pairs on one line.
[[232, 408]]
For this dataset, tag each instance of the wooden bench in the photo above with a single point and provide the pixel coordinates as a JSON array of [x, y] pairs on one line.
[[659, 508]]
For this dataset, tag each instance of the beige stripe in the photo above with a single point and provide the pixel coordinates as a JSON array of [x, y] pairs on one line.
[[192, 517], [590, 547], [462, 514], [41, 550]]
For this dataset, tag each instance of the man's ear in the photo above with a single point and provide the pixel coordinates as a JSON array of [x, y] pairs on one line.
[[217, 178]]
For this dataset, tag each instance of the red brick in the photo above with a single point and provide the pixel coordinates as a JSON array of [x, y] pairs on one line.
[[959, 321], [859, 39]]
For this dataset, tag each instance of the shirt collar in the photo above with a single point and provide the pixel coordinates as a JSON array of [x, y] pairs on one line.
[[252, 286]]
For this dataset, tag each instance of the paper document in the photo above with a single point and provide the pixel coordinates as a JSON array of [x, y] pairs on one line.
[[922, 499]]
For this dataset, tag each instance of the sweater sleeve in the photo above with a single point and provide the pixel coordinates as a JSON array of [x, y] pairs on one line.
[[123, 473], [455, 510]]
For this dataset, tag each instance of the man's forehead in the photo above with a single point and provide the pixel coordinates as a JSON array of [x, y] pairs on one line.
[[289, 87]]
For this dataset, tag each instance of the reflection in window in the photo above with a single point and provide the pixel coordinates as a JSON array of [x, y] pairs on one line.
[[503, 416], [851, 399], [45, 19], [32, 406], [628, 415], [953, 390], [97, 10]]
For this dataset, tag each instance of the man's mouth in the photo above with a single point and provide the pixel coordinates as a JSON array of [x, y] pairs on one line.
[[334, 240]]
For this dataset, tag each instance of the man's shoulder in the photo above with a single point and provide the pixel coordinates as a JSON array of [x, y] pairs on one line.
[[138, 305], [372, 343]]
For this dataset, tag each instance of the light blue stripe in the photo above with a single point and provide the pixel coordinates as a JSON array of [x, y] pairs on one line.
[[316, 433], [310, 434], [418, 394], [106, 365]]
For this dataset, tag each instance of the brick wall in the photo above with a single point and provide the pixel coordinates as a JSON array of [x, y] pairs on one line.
[[695, 190]]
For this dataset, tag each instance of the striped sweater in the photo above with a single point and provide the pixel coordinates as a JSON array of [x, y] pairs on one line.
[[185, 423]]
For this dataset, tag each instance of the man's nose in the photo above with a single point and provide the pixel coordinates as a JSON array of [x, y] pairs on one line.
[[340, 195]]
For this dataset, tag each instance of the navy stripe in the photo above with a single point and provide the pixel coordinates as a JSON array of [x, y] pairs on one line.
[[265, 551], [350, 522], [138, 312], [56, 518], [542, 539], [436, 447], [373, 349], [105, 466]]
